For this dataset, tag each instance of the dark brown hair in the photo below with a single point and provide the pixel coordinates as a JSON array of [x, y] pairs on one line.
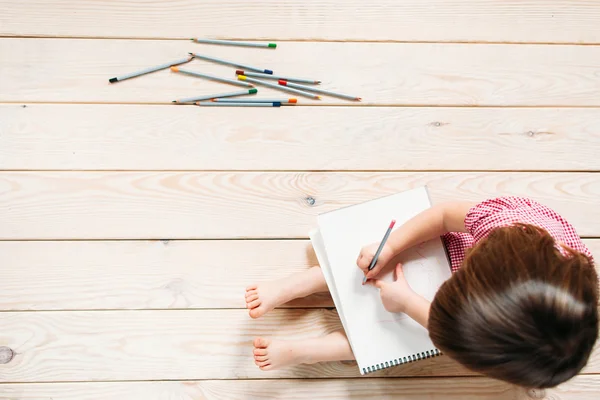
[[518, 310]]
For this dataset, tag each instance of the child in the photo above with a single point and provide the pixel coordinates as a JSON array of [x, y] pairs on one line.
[[520, 307]]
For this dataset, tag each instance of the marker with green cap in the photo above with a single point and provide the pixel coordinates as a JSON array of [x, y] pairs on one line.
[[216, 96], [234, 43]]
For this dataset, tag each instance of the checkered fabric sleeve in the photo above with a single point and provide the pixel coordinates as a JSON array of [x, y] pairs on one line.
[[505, 211]]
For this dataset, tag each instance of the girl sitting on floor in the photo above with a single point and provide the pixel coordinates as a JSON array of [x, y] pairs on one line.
[[520, 307]]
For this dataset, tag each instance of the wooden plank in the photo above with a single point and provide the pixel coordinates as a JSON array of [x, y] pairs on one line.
[[77, 70], [150, 345], [199, 205], [146, 274], [150, 275], [174, 344], [582, 387], [430, 20], [305, 389], [132, 137]]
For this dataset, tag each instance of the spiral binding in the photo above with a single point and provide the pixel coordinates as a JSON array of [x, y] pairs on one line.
[[402, 360]]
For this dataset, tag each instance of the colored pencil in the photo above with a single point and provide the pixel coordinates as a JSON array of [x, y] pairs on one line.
[[376, 256], [265, 76], [282, 101], [215, 96], [234, 64], [274, 86], [211, 77], [239, 104], [235, 43], [313, 89], [149, 70]]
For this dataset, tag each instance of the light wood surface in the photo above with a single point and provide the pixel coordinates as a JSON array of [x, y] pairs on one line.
[[151, 274], [173, 344], [388, 389], [357, 389], [151, 345], [186, 205], [413, 20], [470, 388], [77, 70], [136, 137]]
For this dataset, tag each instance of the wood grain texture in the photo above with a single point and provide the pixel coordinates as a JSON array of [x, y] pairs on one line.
[[430, 20], [151, 345], [133, 137], [305, 389], [198, 205], [147, 274], [582, 387], [77, 70], [164, 345], [150, 274]]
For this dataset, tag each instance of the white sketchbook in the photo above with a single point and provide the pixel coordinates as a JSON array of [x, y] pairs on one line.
[[379, 339]]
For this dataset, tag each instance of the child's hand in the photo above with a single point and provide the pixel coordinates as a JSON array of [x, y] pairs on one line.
[[366, 256], [397, 295]]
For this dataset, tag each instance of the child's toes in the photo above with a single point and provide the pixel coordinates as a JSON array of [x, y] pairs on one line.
[[251, 287], [261, 358], [254, 303], [260, 352], [267, 367], [251, 293], [261, 343], [251, 297], [262, 363]]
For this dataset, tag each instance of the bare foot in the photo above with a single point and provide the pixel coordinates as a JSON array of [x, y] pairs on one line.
[[262, 298], [274, 354]]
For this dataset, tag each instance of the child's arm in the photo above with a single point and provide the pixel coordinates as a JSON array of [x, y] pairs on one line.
[[431, 223]]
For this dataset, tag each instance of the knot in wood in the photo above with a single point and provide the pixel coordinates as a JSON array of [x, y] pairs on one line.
[[6, 355], [536, 393], [310, 201]]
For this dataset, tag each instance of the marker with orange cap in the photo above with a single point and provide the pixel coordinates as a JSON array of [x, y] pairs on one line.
[[234, 64], [211, 77], [214, 96], [282, 101], [265, 76], [149, 70], [235, 43], [274, 86], [312, 89], [376, 256]]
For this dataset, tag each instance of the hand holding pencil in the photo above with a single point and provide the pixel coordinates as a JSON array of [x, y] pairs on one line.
[[374, 257]]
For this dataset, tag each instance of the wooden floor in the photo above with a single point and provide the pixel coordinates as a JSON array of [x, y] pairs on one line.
[[129, 227]]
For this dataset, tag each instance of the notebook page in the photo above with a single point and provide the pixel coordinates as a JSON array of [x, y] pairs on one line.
[[377, 335]]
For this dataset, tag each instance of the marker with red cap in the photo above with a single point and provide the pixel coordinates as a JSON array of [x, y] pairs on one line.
[[316, 90], [376, 256]]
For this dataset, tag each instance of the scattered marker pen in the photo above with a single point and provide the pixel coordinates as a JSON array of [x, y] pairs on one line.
[[274, 86], [235, 43], [265, 76], [316, 90], [232, 63], [215, 96], [149, 70]]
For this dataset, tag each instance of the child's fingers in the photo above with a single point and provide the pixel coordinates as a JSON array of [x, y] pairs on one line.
[[377, 283]]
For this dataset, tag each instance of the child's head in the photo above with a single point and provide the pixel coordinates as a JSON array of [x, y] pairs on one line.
[[518, 310]]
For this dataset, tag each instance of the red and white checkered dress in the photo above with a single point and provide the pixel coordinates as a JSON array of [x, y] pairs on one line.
[[505, 211]]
